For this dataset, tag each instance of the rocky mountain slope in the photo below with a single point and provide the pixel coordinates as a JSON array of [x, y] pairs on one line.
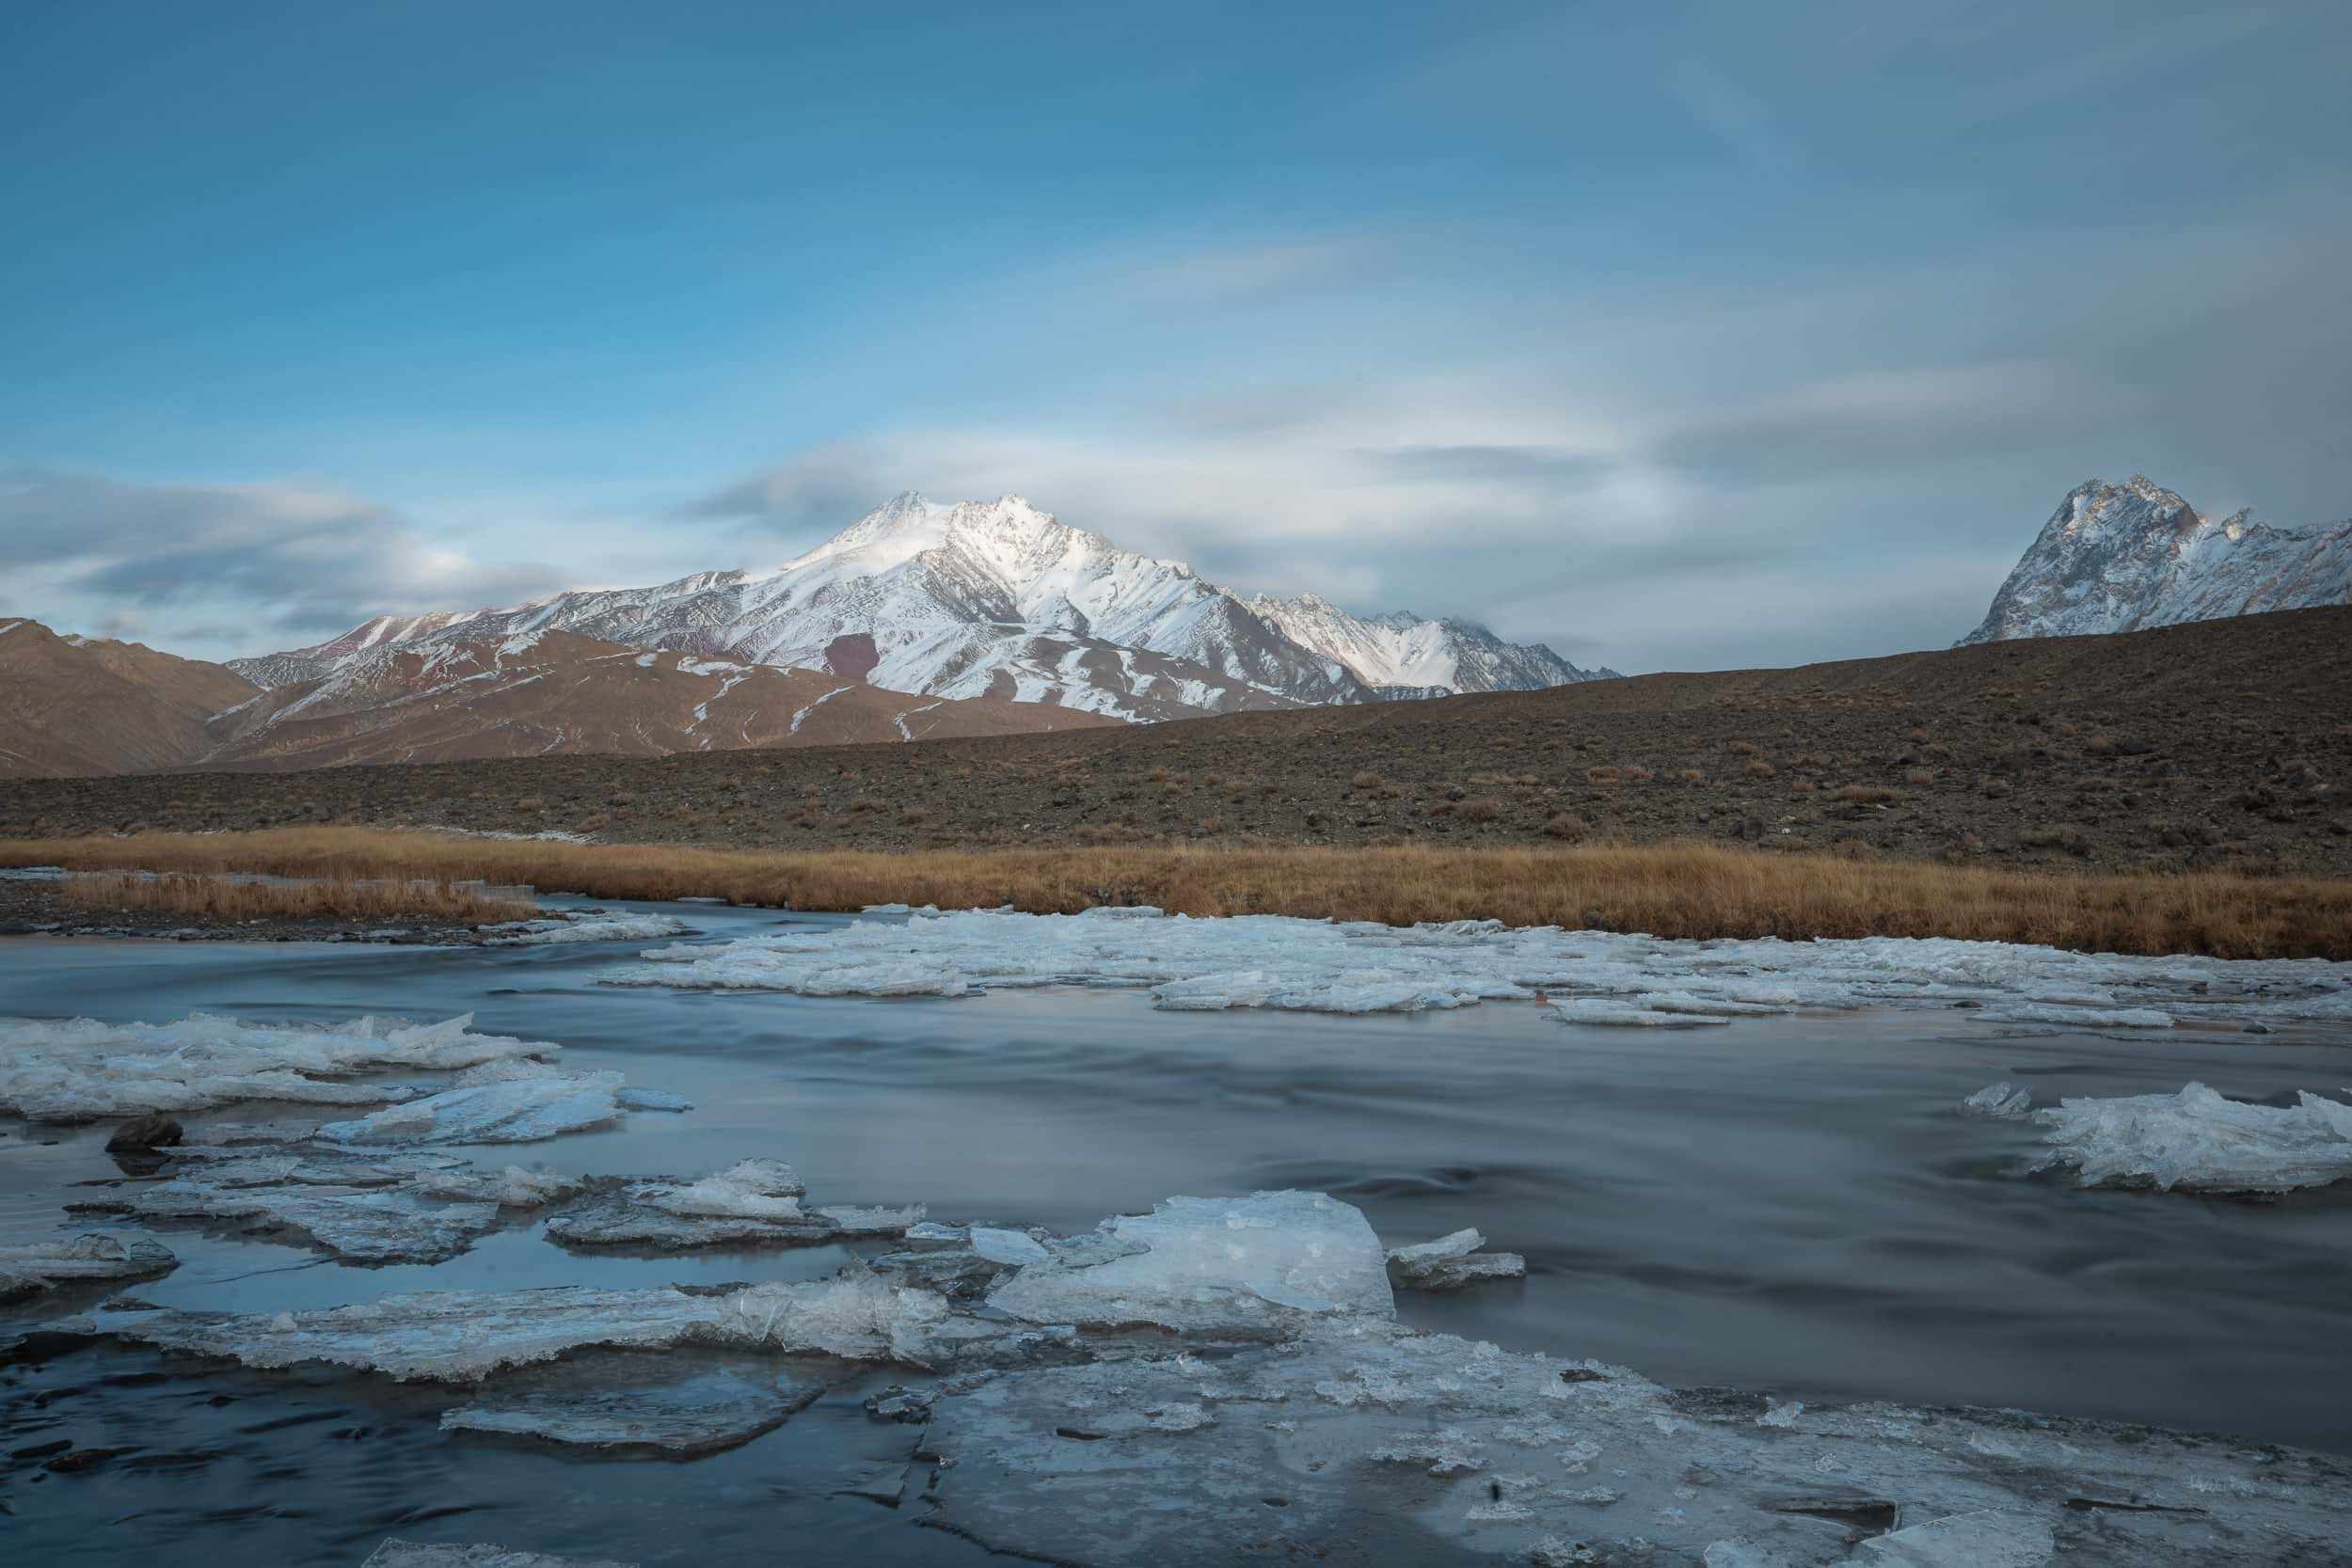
[[2222, 744], [74, 706], [79, 704], [555, 693], [998, 599], [2125, 557]]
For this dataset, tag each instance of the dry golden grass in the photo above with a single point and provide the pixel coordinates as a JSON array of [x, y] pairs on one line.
[[204, 894], [1668, 890]]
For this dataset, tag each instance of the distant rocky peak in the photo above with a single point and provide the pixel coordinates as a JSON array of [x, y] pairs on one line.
[[2120, 557]]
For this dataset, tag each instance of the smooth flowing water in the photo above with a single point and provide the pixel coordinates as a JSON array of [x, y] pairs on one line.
[[1787, 1204]]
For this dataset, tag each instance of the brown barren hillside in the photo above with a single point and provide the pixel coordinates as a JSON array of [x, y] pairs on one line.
[[78, 704], [2221, 745], [558, 693]]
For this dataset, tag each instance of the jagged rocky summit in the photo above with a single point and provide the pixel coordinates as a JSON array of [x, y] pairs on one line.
[[2127, 557]]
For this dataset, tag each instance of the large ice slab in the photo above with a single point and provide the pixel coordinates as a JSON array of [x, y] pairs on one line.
[[1381, 1446], [1596, 977], [29, 1268], [461, 1336], [389, 1226], [1214, 1265], [2198, 1140], [656, 1408], [508, 1101], [82, 1069]]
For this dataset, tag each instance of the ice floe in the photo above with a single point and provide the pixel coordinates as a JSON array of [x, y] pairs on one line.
[[652, 1408], [750, 1203], [80, 1070], [513, 1101], [2198, 1140], [376, 1227], [586, 928], [1174, 1460], [29, 1268], [1451, 1262], [1214, 1265], [1592, 977]]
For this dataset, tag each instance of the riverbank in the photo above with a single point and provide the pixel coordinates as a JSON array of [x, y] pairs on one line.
[[1676, 891]]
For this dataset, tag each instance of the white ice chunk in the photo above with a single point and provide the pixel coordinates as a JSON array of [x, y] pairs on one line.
[[686, 1417], [2002, 1101], [749, 1189], [1209, 1263], [521, 1108], [653, 1100], [593, 928], [2199, 1141], [1008, 1246], [82, 1069]]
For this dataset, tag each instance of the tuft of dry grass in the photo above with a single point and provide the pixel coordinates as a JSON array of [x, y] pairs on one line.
[[209, 896], [1673, 890]]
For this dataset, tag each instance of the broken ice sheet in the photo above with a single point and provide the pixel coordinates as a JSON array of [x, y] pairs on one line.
[[372, 1226], [2199, 1141], [753, 1200], [1215, 1265], [460, 1336], [82, 1069], [507, 1101], [29, 1268], [1360, 1437], [635, 1402], [1604, 977]]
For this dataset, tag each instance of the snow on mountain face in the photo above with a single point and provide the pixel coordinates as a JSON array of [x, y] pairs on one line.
[[1403, 652], [999, 600], [2123, 557]]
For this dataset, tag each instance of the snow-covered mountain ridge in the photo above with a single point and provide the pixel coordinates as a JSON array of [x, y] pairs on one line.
[[1000, 599], [2125, 557]]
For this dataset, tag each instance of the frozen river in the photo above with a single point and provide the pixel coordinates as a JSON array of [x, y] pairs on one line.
[[1788, 1204]]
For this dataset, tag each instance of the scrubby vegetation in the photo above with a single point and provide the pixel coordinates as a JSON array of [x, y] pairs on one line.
[[1675, 890], [205, 893]]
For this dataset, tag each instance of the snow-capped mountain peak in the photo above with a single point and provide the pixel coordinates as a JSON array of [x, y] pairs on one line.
[[2122, 557], [1001, 599]]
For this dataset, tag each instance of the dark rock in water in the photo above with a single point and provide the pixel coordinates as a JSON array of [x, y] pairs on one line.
[[152, 1131]]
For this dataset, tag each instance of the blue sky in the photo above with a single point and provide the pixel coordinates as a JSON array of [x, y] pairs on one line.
[[1678, 335]]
